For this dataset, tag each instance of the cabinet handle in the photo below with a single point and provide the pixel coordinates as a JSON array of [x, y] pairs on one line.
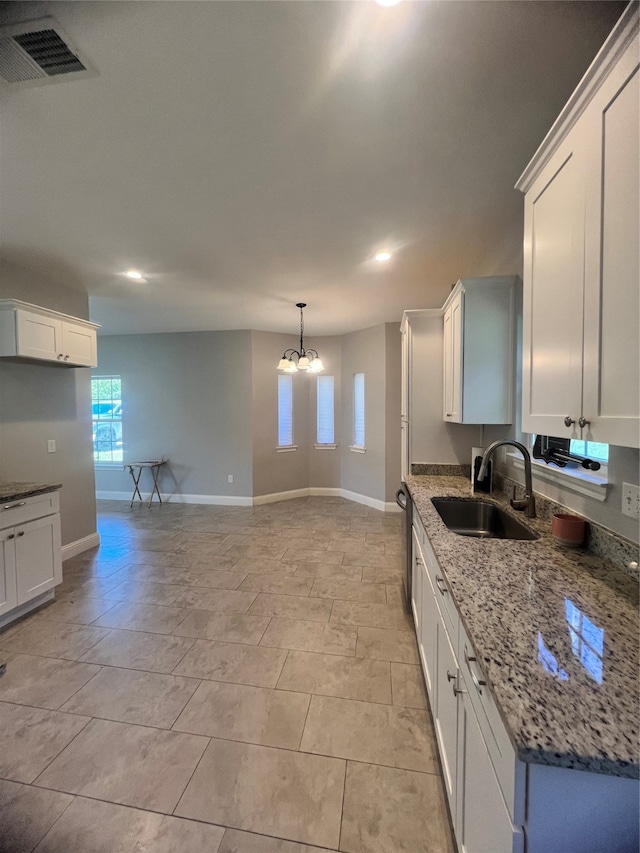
[[450, 676], [583, 422], [443, 589], [66, 358], [60, 355], [11, 506], [457, 690], [21, 533], [568, 422], [449, 414], [11, 536], [478, 683]]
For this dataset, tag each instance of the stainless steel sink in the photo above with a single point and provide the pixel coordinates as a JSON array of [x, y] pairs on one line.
[[480, 519]]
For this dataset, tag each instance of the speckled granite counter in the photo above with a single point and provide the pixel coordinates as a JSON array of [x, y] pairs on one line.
[[556, 632], [18, 491]]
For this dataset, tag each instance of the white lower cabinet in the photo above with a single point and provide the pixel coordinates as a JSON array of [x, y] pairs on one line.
[[30, 552], [445, 710]]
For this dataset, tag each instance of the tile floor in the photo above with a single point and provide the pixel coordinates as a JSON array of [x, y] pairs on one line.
[[222, 680]]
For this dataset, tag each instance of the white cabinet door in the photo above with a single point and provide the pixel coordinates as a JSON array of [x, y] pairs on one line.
[[482, 821], [38, 336], [8, 591], [427, 643], [446, 710], [38, 561], [611, 401], [453, 360], [79, 345], [553, 294]]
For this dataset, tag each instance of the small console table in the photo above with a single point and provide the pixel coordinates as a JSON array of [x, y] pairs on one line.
[[136, 469]]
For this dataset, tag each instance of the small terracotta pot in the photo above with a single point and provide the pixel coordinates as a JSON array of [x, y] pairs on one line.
[[568, 529]]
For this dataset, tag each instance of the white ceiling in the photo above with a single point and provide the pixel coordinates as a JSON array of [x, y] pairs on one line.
[[248, 155]]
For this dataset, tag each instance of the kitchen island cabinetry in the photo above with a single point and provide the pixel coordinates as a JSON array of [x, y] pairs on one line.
[[34, 333], [30, 554], [581, 257]]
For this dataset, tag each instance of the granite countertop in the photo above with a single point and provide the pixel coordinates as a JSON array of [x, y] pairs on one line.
[[556, 632], [17, 491]]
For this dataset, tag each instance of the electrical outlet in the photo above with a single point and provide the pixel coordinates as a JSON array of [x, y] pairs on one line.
[[230, 478], [51, 445], [631, 500]]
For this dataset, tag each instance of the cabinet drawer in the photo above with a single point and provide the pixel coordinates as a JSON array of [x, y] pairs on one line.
[[509, 771], [28, 509]]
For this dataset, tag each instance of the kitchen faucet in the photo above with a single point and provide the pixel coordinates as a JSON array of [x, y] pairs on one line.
[[528, 503]]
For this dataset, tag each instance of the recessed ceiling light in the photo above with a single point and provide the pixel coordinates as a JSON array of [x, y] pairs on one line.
[[387, 2], [134, 274], [381, 257]]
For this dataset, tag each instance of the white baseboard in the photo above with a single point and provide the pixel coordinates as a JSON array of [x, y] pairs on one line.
[[258, 500], [214, 500], [275, 497], [80, 545]]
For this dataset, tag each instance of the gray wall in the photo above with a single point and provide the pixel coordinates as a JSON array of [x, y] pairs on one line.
[[39, 402], [324, 465], [393, 380], [187, 396]]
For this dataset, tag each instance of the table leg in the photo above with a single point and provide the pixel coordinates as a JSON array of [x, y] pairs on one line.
[[155, 472], [136, 480]]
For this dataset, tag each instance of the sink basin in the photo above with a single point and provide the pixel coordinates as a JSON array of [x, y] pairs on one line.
[[480, 519]]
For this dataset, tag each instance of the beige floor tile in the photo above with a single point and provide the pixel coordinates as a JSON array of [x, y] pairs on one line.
[[92, 826], [370, 615], [279, 584], [363, 731], [31, 738], [264, 566], [408, 685], [386, 809], [249, 714], [384, 644], [127, 696], [228, 627], [202, 551], [137, 650], [236, 841], [26, 814], [310, 636], [129, 615], [146, 592], [256, 549], [328, 571], [395, 594], [338, 536], [311, 555], [349, 590], [270, 791], [212, 563], [291, 607], [79, 610], [130, 765], [43, 682], [234, 662], [54, 639], [381, 574], [332, 675], [218, 600], [355, 546], [97, 587], [189, 577], [157, 558]]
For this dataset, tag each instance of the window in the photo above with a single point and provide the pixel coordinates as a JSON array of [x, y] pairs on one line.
[[358, 410], [106, 408], [591, 449], [325, 415], [285, 411]]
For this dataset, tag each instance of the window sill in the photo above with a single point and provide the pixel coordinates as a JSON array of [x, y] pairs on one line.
[[325, 446], [582, 482], [287, 449], [356, 448], [109, 465]]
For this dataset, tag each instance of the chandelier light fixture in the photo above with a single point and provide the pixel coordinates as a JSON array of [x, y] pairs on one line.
[[294, 360]]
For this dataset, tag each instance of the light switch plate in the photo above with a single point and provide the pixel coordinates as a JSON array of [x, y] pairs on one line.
[[51, 445], [631, 500]]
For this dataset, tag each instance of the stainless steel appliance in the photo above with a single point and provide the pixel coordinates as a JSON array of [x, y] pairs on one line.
[[403, 499]]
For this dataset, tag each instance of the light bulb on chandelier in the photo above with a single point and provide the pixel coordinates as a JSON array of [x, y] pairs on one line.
[[307, 360]]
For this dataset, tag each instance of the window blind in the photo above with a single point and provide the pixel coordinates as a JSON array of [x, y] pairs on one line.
[[358, 409], [285, 411], [325, 414]]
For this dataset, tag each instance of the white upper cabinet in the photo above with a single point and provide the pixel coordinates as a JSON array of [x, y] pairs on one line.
[[479, 351], [581, 274], [27, 331]]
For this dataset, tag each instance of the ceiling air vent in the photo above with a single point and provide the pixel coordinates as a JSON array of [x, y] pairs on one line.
[[37, 52]]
